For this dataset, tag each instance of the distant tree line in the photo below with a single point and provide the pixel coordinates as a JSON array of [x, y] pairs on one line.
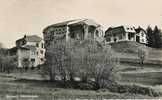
[[154, 37]]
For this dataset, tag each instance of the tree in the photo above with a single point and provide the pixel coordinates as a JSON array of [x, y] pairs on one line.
[[150, 36], [97, 62], [158, 38], [86, 59], [60, 60], [142, 55], [154, 37]]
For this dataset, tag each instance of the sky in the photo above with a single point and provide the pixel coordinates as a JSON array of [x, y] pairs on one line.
[[20, 17]]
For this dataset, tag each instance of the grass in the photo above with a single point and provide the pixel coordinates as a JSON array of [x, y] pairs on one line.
[[50, 90], [127, 50]]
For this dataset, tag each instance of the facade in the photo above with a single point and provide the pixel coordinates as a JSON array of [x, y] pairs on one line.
[[74, 29], [141, 36], [30, 51], [125, 33]]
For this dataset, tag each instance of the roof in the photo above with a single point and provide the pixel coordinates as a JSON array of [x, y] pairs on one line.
[[139, 29], [120, 29], [31, 38], [74, 22]]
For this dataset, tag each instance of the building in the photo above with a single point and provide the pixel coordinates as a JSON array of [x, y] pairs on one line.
[[141, 36], [125, 33], [79, 29], [30, 51]]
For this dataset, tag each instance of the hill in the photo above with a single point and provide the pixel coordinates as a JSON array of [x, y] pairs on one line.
[[128, 50]]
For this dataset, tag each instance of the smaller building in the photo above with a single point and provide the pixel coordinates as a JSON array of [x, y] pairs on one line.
[[141, 36], [30, 51], [125, 33]]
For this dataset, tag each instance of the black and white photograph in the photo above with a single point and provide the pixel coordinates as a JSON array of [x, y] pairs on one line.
[[80, 49]]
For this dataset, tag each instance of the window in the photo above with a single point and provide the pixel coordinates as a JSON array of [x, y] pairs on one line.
[[42, 59], [114, 35], [42, 45], [97, 33], [41, 51], [25, 59], [108, 39], [33, 52], [142, 34], [120, 37], [142, 40], [32, 60], [37, 44], [115, 39]]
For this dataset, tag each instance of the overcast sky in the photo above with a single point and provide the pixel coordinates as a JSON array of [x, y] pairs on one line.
[[19, 17]]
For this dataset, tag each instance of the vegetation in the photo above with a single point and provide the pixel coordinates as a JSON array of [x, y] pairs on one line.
[[7, 62], [142, 55], [154, 37], [88, 60]]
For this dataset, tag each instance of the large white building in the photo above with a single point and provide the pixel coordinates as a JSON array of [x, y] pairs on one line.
[[125, 33], [30, 51], [79, 29]]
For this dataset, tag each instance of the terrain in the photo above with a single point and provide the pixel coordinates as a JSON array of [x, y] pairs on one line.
[[32, 85]]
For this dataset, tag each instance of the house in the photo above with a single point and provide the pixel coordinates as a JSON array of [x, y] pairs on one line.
[[141, 36], [125, 33], [30, 51], [79, 29]]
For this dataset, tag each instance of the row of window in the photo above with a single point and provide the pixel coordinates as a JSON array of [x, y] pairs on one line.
[[129, 28], [34, 53], [109, 39], [32, 59], [42, 45]]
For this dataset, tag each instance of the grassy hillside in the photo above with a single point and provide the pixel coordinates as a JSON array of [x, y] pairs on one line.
[[129, 51]]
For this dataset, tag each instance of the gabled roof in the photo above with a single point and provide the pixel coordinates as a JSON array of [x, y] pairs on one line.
[[139, 29], [31, 38], [120, 29], [74, 22]]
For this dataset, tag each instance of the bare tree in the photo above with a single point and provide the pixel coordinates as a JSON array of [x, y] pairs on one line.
[[142, 55], [96, 62]]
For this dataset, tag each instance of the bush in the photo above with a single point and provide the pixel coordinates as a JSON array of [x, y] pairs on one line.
[[135, 89], [86, 86]]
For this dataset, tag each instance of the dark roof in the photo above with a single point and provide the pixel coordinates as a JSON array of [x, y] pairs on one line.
[[33, 38], [30, 38], [121, 29], [73, 22], [139, 29]]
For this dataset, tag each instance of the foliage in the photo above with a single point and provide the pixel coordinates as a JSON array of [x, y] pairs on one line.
[[154, 37], [136, 89], [7, 62], [88, 60]]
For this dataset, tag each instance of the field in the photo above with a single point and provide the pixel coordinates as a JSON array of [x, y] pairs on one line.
[[16, 89], [31, 85]]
